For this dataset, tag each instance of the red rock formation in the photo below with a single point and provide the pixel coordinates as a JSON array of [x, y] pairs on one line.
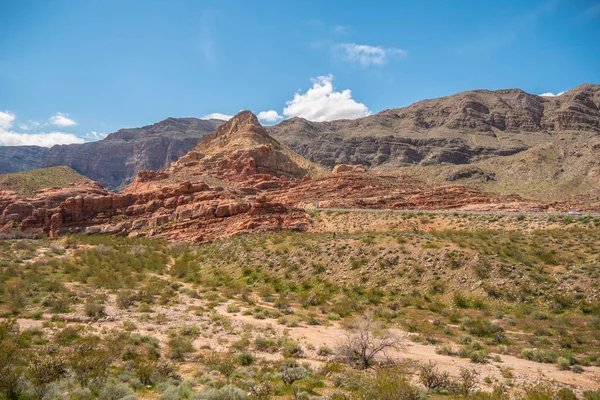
[[254, 185]]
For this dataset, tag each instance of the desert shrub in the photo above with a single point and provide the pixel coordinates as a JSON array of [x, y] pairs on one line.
[[227, 392], [591, 395], [563, 363], [460, 300], [177, 391], [262, 343], [126, 298], [565, 394], [246, 359], [481, 327], [67, 335], [289, 375], [290, 348], [261, 391], [539, 355], [364, 340], [150, 371], [467, 381], [89, 360], [324, 351], [58, 303], [11, 360], [93, 308], [386, 385], [221, 362], [44, 369], [179, 347], [431, 378], [116, 391], [538, 391]]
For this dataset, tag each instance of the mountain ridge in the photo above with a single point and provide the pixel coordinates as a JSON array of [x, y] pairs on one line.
[[465, 128]]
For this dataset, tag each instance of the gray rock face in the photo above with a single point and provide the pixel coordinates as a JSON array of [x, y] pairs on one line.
[[21, 158], [458, 129], [116, 160]]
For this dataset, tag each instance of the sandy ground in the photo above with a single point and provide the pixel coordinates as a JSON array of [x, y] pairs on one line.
[[174, 317]]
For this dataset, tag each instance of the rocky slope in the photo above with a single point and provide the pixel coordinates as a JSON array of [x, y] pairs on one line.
[[458, 129], [237, 180], [21, 158], [115, 160]]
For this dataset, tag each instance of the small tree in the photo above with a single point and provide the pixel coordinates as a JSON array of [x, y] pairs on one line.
[[292, 374], [364, 340], [431, 378], [45, 369]]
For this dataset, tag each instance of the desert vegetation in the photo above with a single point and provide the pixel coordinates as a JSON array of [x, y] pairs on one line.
[[392, 314]]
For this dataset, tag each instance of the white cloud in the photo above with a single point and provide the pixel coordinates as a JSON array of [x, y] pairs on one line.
[[6, 119], [366, 55], [8, 138], [61, 119], [550, 94], [270, 116], [221, 116], [93, 136], [47, 139], [322, 103], [29, 125]]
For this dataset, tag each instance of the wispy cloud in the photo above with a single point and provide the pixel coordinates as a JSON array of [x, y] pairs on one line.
[[207, 41], [61, 119], [323, 103], [93, 136], [341, 30], [9, 137], [221, 116], [366, 55]]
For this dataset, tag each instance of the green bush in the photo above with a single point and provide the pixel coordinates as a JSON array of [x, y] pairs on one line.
[[116, 391], [386, 385], [540, 355], [563, 363], [179, 347]]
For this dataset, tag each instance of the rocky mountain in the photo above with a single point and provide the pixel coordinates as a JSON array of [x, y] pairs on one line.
[[21, 158], [458, 129], [115, 160], [236, 180]]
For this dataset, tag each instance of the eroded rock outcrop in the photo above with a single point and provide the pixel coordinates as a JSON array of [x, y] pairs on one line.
[[238, 180]]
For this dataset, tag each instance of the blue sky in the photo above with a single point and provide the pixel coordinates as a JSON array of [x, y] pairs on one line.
[[88, 68]]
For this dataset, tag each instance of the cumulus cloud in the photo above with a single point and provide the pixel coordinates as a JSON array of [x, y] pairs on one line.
[[322, 103], [61, 119], [366, 55], [270, 116], [9, 137], [224, 117], [550, 94], [6, 119]]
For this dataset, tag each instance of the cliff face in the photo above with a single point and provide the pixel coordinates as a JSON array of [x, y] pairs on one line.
[[459, 129], [21, 158], [116, 160]]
